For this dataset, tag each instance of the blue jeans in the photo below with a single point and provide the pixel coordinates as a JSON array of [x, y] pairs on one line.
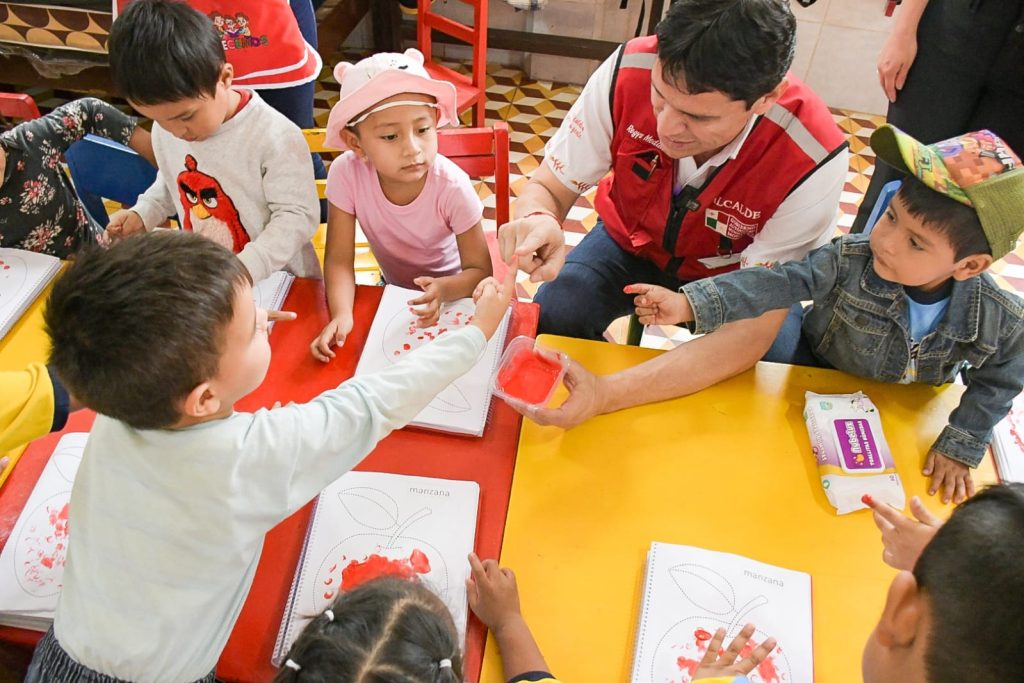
[[587, 294], [296, 102], [790, 345]]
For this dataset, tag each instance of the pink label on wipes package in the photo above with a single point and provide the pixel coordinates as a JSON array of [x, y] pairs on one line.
[[857, 450]]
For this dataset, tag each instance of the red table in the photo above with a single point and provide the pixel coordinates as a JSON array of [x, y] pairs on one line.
[[295, 376]]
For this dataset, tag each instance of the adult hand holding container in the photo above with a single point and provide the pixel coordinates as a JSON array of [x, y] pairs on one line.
[[527, 375]]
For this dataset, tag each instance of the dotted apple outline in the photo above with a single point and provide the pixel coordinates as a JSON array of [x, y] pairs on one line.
[[732, 624], [380, 512], [451, 399]]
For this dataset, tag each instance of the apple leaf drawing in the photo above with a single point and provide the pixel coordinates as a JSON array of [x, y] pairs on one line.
[[370, 507]]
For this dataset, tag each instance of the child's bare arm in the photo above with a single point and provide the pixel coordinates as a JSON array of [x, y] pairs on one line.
[[142, 142], [476, 265], [494, 598], [339, 282]]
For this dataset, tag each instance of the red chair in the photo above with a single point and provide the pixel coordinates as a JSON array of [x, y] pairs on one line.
[[483, 152], [471, 91], [16, 105]]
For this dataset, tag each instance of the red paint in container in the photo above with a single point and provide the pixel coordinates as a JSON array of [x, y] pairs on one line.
[[528, 375]]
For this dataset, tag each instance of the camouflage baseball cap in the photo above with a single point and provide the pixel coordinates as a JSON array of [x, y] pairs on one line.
[[977, 169]]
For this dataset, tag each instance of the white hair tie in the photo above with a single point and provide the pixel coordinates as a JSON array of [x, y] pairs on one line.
[[329, 614], [290, 664], [444, 664]]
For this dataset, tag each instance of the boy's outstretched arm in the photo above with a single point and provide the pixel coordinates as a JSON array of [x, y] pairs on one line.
[[492, 299], [339, 283], [494, 598]]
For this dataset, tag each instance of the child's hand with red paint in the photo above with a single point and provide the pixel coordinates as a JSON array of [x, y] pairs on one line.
[[492, 299], [433, 295], [717, 662], [903, 538], [659, 306]]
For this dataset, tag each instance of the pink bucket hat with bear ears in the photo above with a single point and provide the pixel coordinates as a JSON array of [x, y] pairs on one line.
[[379, 77]]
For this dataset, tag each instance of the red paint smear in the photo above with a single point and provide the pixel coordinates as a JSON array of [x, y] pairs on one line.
[[57, 534], [328, 595], [687, 665], [356, 573], [406, 347], [769, 673], [528, 376], [767, 670]]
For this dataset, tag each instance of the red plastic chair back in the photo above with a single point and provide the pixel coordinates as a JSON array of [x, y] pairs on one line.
[[470, 91], [16, 105]]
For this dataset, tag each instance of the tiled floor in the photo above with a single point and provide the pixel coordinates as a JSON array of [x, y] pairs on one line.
[[534, 110]]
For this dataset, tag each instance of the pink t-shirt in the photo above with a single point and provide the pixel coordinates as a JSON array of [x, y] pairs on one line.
[[415, 239]]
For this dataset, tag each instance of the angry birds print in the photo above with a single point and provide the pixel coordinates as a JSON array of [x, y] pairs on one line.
[[208, 210]]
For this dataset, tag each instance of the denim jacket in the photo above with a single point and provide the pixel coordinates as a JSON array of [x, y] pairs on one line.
[[860, 324]]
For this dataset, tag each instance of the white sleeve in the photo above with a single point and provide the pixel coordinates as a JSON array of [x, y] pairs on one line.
[[290, 192], [156, 203], [580, 151], [806, 219], [289, 454]]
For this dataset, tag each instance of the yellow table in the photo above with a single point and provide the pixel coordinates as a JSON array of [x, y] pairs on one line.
[[26, 342], [728, 469]]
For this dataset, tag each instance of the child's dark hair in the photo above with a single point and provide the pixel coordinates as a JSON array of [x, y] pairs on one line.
[[958, 222], [164, 51], [136, 327], [385, 631], [742, 48], [972, 577]]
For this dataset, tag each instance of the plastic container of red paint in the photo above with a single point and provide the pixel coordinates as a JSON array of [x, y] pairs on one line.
[[527, 374]]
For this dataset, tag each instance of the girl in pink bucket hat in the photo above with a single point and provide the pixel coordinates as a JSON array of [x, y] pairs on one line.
[[419, 210]]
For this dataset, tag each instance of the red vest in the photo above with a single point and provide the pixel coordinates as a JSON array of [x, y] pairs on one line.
[[261, 41], [786, 144]]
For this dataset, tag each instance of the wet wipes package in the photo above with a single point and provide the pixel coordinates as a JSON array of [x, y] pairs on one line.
[[849, 446]]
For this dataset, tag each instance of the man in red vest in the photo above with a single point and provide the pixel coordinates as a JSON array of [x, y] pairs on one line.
[[719, 159]]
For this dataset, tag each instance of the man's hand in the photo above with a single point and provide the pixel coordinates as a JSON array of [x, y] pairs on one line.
[[122, 223], [715, 665], [584, 401], [538, 242], [431, 301], [659, 306], [333, 334], [951, 476], [903, 538]]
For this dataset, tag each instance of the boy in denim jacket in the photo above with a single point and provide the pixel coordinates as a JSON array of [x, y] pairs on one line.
[[909, 303]]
